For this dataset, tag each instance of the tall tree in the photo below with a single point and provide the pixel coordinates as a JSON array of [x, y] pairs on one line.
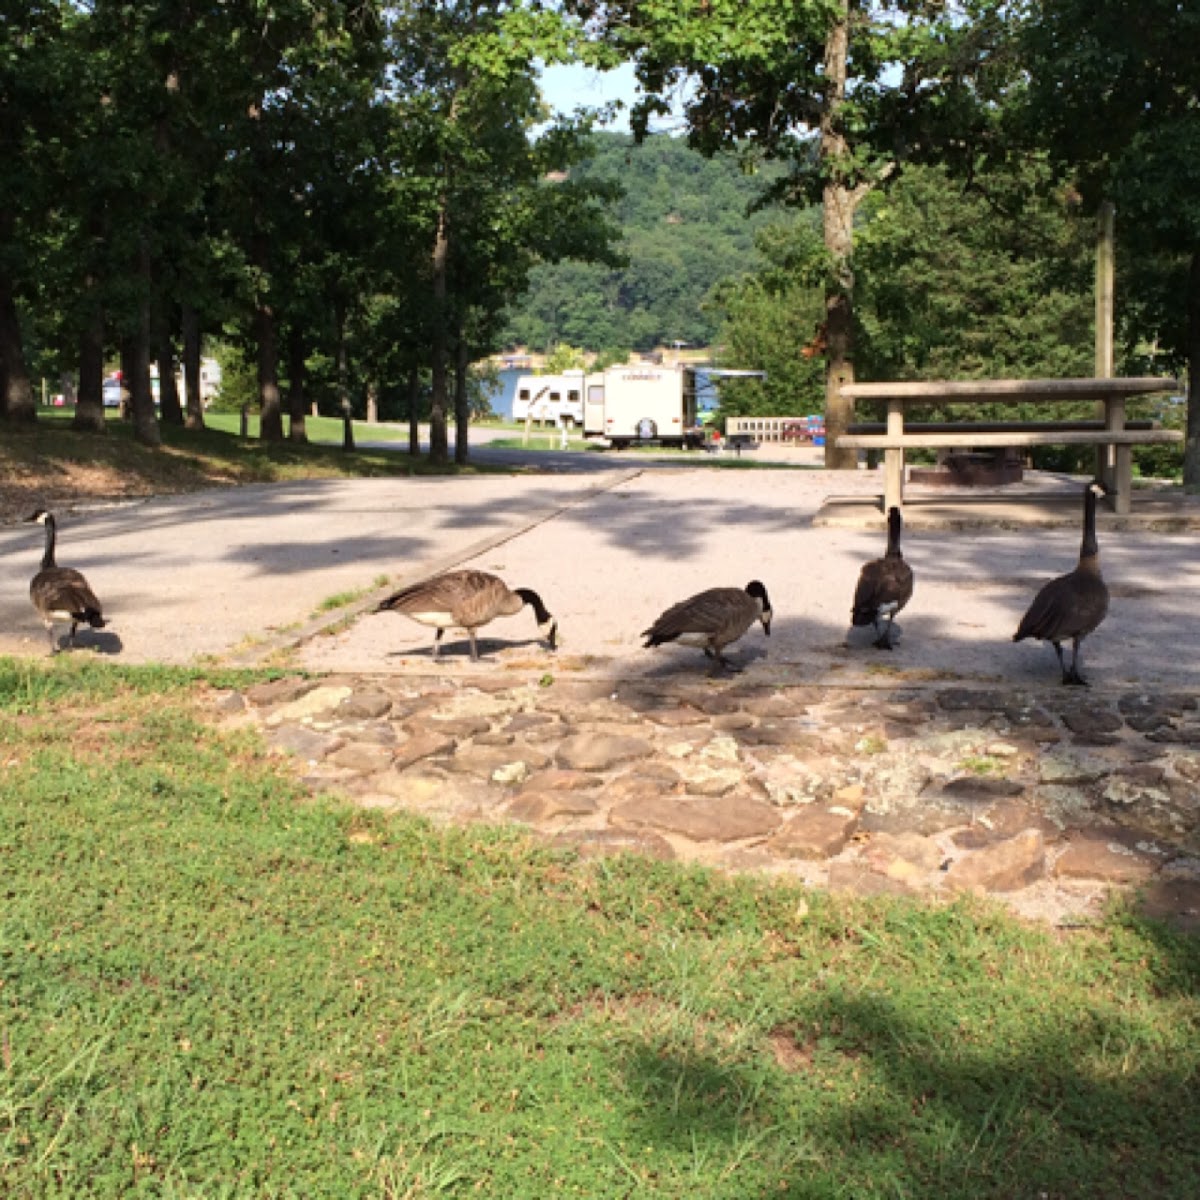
[[841, 90], [30, 85], [1113, 93], [469, 108]]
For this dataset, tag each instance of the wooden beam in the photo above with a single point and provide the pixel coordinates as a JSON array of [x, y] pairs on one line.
[[1017, 390], [1069, 437]]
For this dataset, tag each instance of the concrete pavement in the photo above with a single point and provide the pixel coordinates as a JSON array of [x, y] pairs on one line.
[[243, 570]]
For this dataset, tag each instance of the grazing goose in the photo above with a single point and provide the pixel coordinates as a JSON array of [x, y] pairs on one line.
[[713, 620], [61, 593], [885, 586], [467, 600], [1071, 606]]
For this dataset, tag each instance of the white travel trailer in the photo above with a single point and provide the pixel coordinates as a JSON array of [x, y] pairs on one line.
[[550, 399], [644, 402]]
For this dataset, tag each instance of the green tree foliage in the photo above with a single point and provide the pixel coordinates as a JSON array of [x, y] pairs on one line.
[[772, 320], [686, 224], [990, 280], [1112, 92], [320, 181]]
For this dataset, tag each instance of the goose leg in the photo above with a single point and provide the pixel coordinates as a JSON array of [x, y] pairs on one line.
[[50, 634], [1075, 678], [474, 648], [1062, 666], [437, 642], [71, 635]]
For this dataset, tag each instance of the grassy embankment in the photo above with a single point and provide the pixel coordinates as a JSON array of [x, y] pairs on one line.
[[50, 464], [213, 987]]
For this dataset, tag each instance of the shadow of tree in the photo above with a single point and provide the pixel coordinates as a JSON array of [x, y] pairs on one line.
[[964, 1087]]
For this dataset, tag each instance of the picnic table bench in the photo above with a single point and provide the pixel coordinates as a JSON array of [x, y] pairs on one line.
[[897, 435]]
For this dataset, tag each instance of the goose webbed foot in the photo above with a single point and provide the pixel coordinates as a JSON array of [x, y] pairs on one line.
[[883, 642]]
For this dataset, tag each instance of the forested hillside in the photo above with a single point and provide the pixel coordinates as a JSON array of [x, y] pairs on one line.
[[686, 225]]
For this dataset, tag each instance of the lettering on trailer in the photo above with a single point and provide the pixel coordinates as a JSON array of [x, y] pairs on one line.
[[643, 375]]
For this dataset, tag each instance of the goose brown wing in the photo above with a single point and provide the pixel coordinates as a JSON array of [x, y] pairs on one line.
[[886, 581], [1068, 607], [897, 582], [464, 594], [63, 589], [1045, 618], [718, 611], [866, 594]]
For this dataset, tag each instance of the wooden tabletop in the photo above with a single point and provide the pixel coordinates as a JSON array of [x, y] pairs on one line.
[[1014, 390]]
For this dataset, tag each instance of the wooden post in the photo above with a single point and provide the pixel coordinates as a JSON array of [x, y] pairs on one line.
[[1105, 259], [893, 460]]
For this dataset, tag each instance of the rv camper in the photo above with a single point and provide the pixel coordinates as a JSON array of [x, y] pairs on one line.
[[643, 403], [550, 399]]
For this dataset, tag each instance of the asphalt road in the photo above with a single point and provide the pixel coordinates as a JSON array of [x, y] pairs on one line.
[[226, 572]]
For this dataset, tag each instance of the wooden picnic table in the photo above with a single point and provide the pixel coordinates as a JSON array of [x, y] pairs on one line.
[[1115, 436]]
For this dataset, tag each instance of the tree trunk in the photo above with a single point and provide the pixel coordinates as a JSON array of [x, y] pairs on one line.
[[839, 205], [462, 407], [266, 335], [438, 441], [194, 399], [141, 396], [297, 378], [16, 397], [341, 361], [169, 408], [1191, 448], [270, 425], [414, 419], [89, 405]]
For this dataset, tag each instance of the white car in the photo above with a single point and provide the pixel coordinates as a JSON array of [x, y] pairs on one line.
[[112, 394]]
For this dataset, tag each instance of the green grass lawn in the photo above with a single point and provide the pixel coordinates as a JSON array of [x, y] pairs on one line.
[[211, 986]]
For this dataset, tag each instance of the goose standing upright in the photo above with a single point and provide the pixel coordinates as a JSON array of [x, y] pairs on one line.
[[885, 586], [713, 620], [467, 600], [61, 593], [1072, 605]]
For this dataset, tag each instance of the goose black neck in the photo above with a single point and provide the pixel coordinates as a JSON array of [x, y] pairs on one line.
[[48, 556], [1089, 547], [535, 602], [893, 546]]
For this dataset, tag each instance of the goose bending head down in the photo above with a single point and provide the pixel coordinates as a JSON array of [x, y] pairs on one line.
[[885, 586], [713, 620], [1073, 605], [61, 593], [467, 600]]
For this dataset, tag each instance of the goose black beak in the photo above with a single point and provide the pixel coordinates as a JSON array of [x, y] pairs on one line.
[[552, 635]]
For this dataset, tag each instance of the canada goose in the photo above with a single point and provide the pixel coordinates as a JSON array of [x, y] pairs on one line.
[[885, 586], [1073, 605], [713, 620], [467, 600], [61, 593]]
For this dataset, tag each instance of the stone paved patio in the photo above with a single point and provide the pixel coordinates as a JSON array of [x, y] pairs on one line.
[[1047, 800]]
